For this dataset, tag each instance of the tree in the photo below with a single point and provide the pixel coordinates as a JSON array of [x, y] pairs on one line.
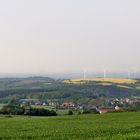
[[70, 112]]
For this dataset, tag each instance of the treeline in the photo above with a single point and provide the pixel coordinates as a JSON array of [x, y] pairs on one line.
[[68, 91], [18, 110]]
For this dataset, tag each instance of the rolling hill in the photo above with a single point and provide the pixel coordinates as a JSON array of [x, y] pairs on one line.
[[45, 88]]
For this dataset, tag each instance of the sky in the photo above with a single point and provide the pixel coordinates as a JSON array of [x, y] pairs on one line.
[[63, 36]]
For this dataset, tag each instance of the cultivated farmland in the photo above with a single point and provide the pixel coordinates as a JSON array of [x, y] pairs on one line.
[[117, 126], [104, 80]]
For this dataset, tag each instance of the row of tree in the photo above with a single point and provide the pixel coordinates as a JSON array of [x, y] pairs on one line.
[[18, 110]]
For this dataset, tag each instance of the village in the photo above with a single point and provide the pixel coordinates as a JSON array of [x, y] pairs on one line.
[[100, 105]]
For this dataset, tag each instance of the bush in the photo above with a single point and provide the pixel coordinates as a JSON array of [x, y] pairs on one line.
[[8, 116], [39, 112], [70, 112], [85, 111], [79, 113], [12, 109]]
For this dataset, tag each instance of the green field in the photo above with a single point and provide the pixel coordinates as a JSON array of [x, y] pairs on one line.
[[1, 105], [124, 126]]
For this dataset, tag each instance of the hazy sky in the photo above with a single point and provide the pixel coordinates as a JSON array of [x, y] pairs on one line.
[[41, 36]]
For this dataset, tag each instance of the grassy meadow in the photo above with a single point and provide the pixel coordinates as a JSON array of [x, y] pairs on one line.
[[117, 126]]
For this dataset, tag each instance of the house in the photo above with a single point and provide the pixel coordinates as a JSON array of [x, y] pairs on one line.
[[102, 110], [38, 103], [44, 104], [53, 104], [117, 108], [80, 106], [68, 103]]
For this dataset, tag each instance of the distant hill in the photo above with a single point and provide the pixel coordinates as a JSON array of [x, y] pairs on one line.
[[108, 87], [23, 82], [45, 88]]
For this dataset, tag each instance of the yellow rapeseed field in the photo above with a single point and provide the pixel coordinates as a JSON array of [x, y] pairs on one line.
[[111, 80]]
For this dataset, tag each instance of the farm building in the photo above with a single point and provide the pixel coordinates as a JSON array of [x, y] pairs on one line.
[[102, 110], [68, 103]]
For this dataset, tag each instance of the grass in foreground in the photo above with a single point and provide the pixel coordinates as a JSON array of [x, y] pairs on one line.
[[124, 126]]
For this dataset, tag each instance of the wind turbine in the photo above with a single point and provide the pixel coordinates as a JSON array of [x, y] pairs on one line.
[[85, 74], [135, 73], [105, 74], [129, 75]]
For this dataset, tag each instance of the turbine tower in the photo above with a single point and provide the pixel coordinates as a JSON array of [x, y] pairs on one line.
[[85, 74], [135, 73], [129, 75], [104, 74]]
